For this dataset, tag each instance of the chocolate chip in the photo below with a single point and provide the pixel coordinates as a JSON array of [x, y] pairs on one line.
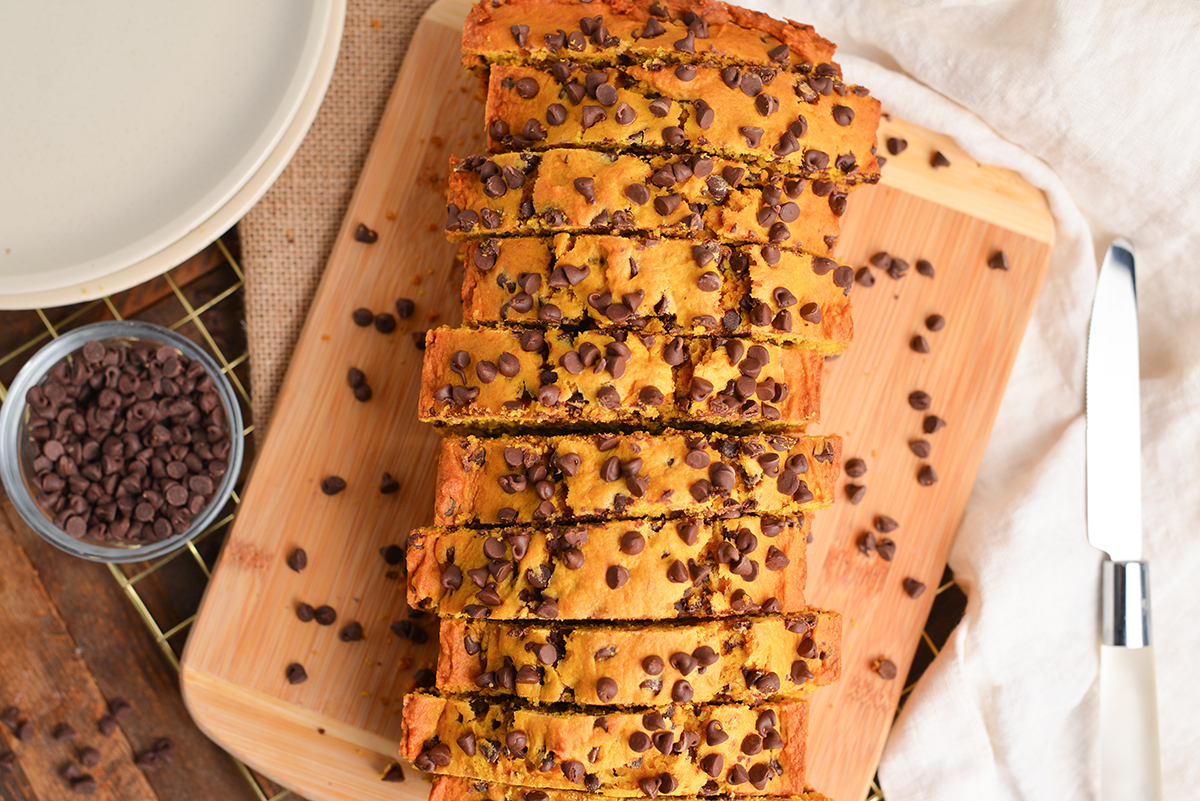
[[932, 424], [939, 160], [616, 577], [855, 468], [305, 613], [681, 691], [925, 268], [332, 485], [919, 344], [673, 136], [751, 134], [297, 560], [107, 725], [913, 588], [684, 663], [325, 615], [927, 476], [709, 282], [920, 448], [886, 549], [353, 632], [886, 669], [800, 672], [520, 34], [677, 573], [296, 674], [896, 146], [998, 260], [810, 313], [592, 115], [864, 277], [866, 543], [606, 689], [687, 44], [705, 115], [85, 785], [625, 115], [365, 235], [843, 115], [394, 773], [587, 188], [919, 400], [574, 771], [639, 742]]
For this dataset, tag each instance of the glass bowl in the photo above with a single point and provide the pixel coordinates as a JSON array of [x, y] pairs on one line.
[[16, 469]]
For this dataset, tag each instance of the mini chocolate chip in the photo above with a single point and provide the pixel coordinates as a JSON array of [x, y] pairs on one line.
[[935, 322], [587, 188], [932, 424], [913, 588], [296, 674], [297, 560], [886, 549], [998, 260], [919, 400], [925, 268], [365, 235], [927, 476], [896, 146], [920, 448], [919, 344], [305, 613], [886, 669], [864, 277], [855, 468], [325, 615], [353, 632], [866, 543], [385, 323], [606, 689], [939, 160]]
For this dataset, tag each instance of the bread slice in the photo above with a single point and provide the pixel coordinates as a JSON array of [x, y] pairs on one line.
[[744, 660], [536, 31], [579, 477], [692, 197], [781, 123], [491, 379], [681, 749], [760, 292], [613, 570]]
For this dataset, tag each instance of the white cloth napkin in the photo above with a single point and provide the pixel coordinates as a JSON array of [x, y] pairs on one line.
[[1097, 104]]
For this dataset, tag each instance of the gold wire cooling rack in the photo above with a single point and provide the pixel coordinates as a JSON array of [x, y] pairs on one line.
[[202, 299]]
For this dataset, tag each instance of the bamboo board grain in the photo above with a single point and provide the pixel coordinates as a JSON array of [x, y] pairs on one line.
[[331, 737]]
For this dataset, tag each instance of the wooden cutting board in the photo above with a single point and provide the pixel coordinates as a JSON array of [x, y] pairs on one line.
[[331, 737]]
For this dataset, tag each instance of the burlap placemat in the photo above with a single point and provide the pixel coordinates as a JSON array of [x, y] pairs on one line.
[[287, 237]]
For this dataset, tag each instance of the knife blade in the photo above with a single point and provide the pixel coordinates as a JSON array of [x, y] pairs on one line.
[[1130, 761]]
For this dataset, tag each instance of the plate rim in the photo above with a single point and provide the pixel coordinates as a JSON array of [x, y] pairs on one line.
[[235, 201]]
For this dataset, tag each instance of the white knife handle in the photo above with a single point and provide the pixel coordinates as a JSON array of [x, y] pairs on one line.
[[1130, 762], [1130, 759]]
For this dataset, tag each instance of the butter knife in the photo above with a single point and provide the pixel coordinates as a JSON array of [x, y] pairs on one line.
[[1130, 761]]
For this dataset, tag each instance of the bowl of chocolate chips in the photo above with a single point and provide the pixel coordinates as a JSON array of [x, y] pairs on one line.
[[120, 441]]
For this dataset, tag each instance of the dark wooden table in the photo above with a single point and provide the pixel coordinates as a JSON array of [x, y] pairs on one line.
[[76, 637]]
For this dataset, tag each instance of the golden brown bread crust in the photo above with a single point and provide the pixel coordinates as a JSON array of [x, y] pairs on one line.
[[695, 197], [740, 660], [762, 749], [455, 788], [587, 477], [490, 378], [764, 292], [782, 122], [672, 569], [734, 35]]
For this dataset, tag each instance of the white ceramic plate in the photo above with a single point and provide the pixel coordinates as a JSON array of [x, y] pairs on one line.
[[145, 132]]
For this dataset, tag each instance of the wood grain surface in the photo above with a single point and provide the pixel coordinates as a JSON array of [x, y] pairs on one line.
[[332, 736]]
